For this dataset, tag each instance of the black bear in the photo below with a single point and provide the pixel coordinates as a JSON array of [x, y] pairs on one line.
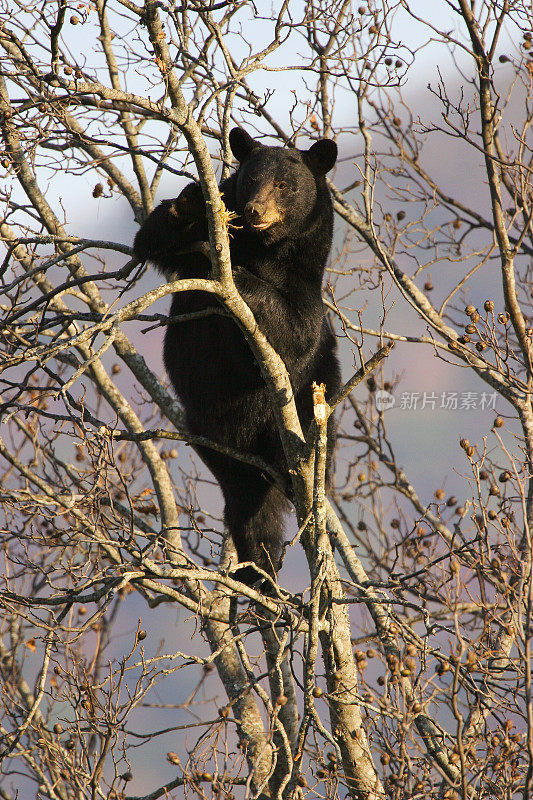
[[280, 243]]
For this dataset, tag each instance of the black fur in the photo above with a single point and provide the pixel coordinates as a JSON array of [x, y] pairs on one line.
[[278, 270]]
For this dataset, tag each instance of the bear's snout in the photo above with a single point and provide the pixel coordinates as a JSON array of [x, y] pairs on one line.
[[261, 213], [254, 211]]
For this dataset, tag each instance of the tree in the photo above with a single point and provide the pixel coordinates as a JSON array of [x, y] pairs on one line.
[[402, 666]]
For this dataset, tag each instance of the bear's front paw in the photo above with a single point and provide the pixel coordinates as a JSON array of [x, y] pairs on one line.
[[189, 206], [183, 215]]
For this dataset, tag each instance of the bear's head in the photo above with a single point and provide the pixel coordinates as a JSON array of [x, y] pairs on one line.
[[278, 189]]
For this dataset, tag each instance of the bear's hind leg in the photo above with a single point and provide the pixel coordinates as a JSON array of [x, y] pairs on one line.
[[254, 515], [254, 511]]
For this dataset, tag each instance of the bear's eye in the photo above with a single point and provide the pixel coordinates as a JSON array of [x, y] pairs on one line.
[[282, 186]]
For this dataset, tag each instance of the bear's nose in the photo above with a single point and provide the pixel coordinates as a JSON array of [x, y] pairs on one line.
[[254, 211]]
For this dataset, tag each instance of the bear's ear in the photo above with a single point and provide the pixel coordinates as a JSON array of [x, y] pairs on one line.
[[241, 144], [322, 155]]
